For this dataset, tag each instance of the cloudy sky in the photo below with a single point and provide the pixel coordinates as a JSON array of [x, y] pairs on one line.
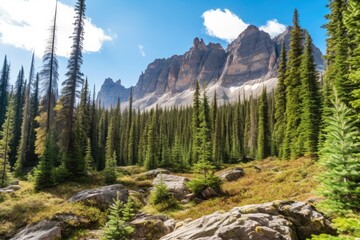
[[123, 36]]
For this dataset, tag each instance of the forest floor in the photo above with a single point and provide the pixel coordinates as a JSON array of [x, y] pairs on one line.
[[277, 180]]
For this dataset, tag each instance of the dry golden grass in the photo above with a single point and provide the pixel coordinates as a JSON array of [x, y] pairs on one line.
[[278, 180]]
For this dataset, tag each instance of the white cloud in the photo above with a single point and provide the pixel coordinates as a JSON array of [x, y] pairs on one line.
[[25, 24], [141, 50], [273, 28], [223, 24], [228, 26]]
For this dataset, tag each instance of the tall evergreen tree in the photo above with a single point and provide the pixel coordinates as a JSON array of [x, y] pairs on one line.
[[44, 173], [4, 85], [19, 102], [311, 103], [293, 83], [340, 156], [89, 160], [49, 76], [22, 158], [352, 24], [74, 79], [280, 104], [195, 125], [205, 131], [151, 156], [6, 135], [263, 138]]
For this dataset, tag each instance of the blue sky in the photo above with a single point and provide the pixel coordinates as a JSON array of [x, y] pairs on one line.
[[124, 36]]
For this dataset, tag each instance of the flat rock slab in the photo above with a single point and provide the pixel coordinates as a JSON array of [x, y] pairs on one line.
[[176, 184], [281, 220], [232, 175], [10, 189], [44, 230], [101, 197]]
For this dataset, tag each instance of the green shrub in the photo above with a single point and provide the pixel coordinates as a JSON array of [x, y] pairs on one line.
[[349, 226], [162, 199], [327, 237], [198, 185]]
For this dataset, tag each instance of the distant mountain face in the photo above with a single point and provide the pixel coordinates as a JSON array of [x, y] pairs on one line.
[[242, 68], [111, 92]]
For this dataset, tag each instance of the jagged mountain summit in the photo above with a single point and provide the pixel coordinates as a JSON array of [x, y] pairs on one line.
[[111, 92], [248, 63]]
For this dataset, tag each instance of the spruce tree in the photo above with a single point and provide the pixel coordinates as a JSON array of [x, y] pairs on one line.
[[6, 134], [195, 125], [151, 156], [340, 155], [110, 169], [204, 137], [69, 94], [4, 85], [19, 102], [44, 173], [293, 83], [280, 104], [117, 227], [49, 91], [89, 160], [263, 138], [352, 24], [311, 103]]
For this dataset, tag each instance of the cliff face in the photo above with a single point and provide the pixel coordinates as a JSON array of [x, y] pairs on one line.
[[111, 92], [250, 59]]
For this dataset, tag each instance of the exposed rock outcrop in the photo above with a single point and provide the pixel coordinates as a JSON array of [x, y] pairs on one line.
[[101, 197], [149, 227], [44, 230], [111, 92], [232, 175], [283, 220], [153, 173], [176, 184], [10, 189]]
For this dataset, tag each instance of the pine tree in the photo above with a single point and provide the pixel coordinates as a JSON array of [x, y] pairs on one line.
[[110, 169], [151, 156], [311, 103], [49, 91], [117, 227], [34, 102], [195, 125], [73, 81], [4, 85], [89, 160], [205, 131], [19, 102], [263, 138], [44, 173], [280, 104], [6, 134], [340, 155], [22, 156], [293, 83], [352, 24]]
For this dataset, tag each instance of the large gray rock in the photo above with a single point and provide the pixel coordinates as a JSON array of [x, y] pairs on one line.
[[101, 197], [44, 230], [153, 173], [176, 184], [10, 189], [150, 227], [232, 175], [283, 220]]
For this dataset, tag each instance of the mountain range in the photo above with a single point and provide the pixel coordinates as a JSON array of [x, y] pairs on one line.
[[243, 68]]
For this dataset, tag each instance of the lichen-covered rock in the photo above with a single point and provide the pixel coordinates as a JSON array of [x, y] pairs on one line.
[[153, 173], [283, 220], [175, 184], [44, 230], [101, 197], [10, 189], [151, 227], [232, 175], [208, 193]]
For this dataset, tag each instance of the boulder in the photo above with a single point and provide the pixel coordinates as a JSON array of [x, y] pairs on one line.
[[44, 230], [150, 227], [283, 220], [232, 175], [101, 197], [208, 193], [175, 184], [153, 173], [10, 189]]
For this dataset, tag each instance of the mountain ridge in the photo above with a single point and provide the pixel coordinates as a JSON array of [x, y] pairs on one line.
[[247, 63]]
